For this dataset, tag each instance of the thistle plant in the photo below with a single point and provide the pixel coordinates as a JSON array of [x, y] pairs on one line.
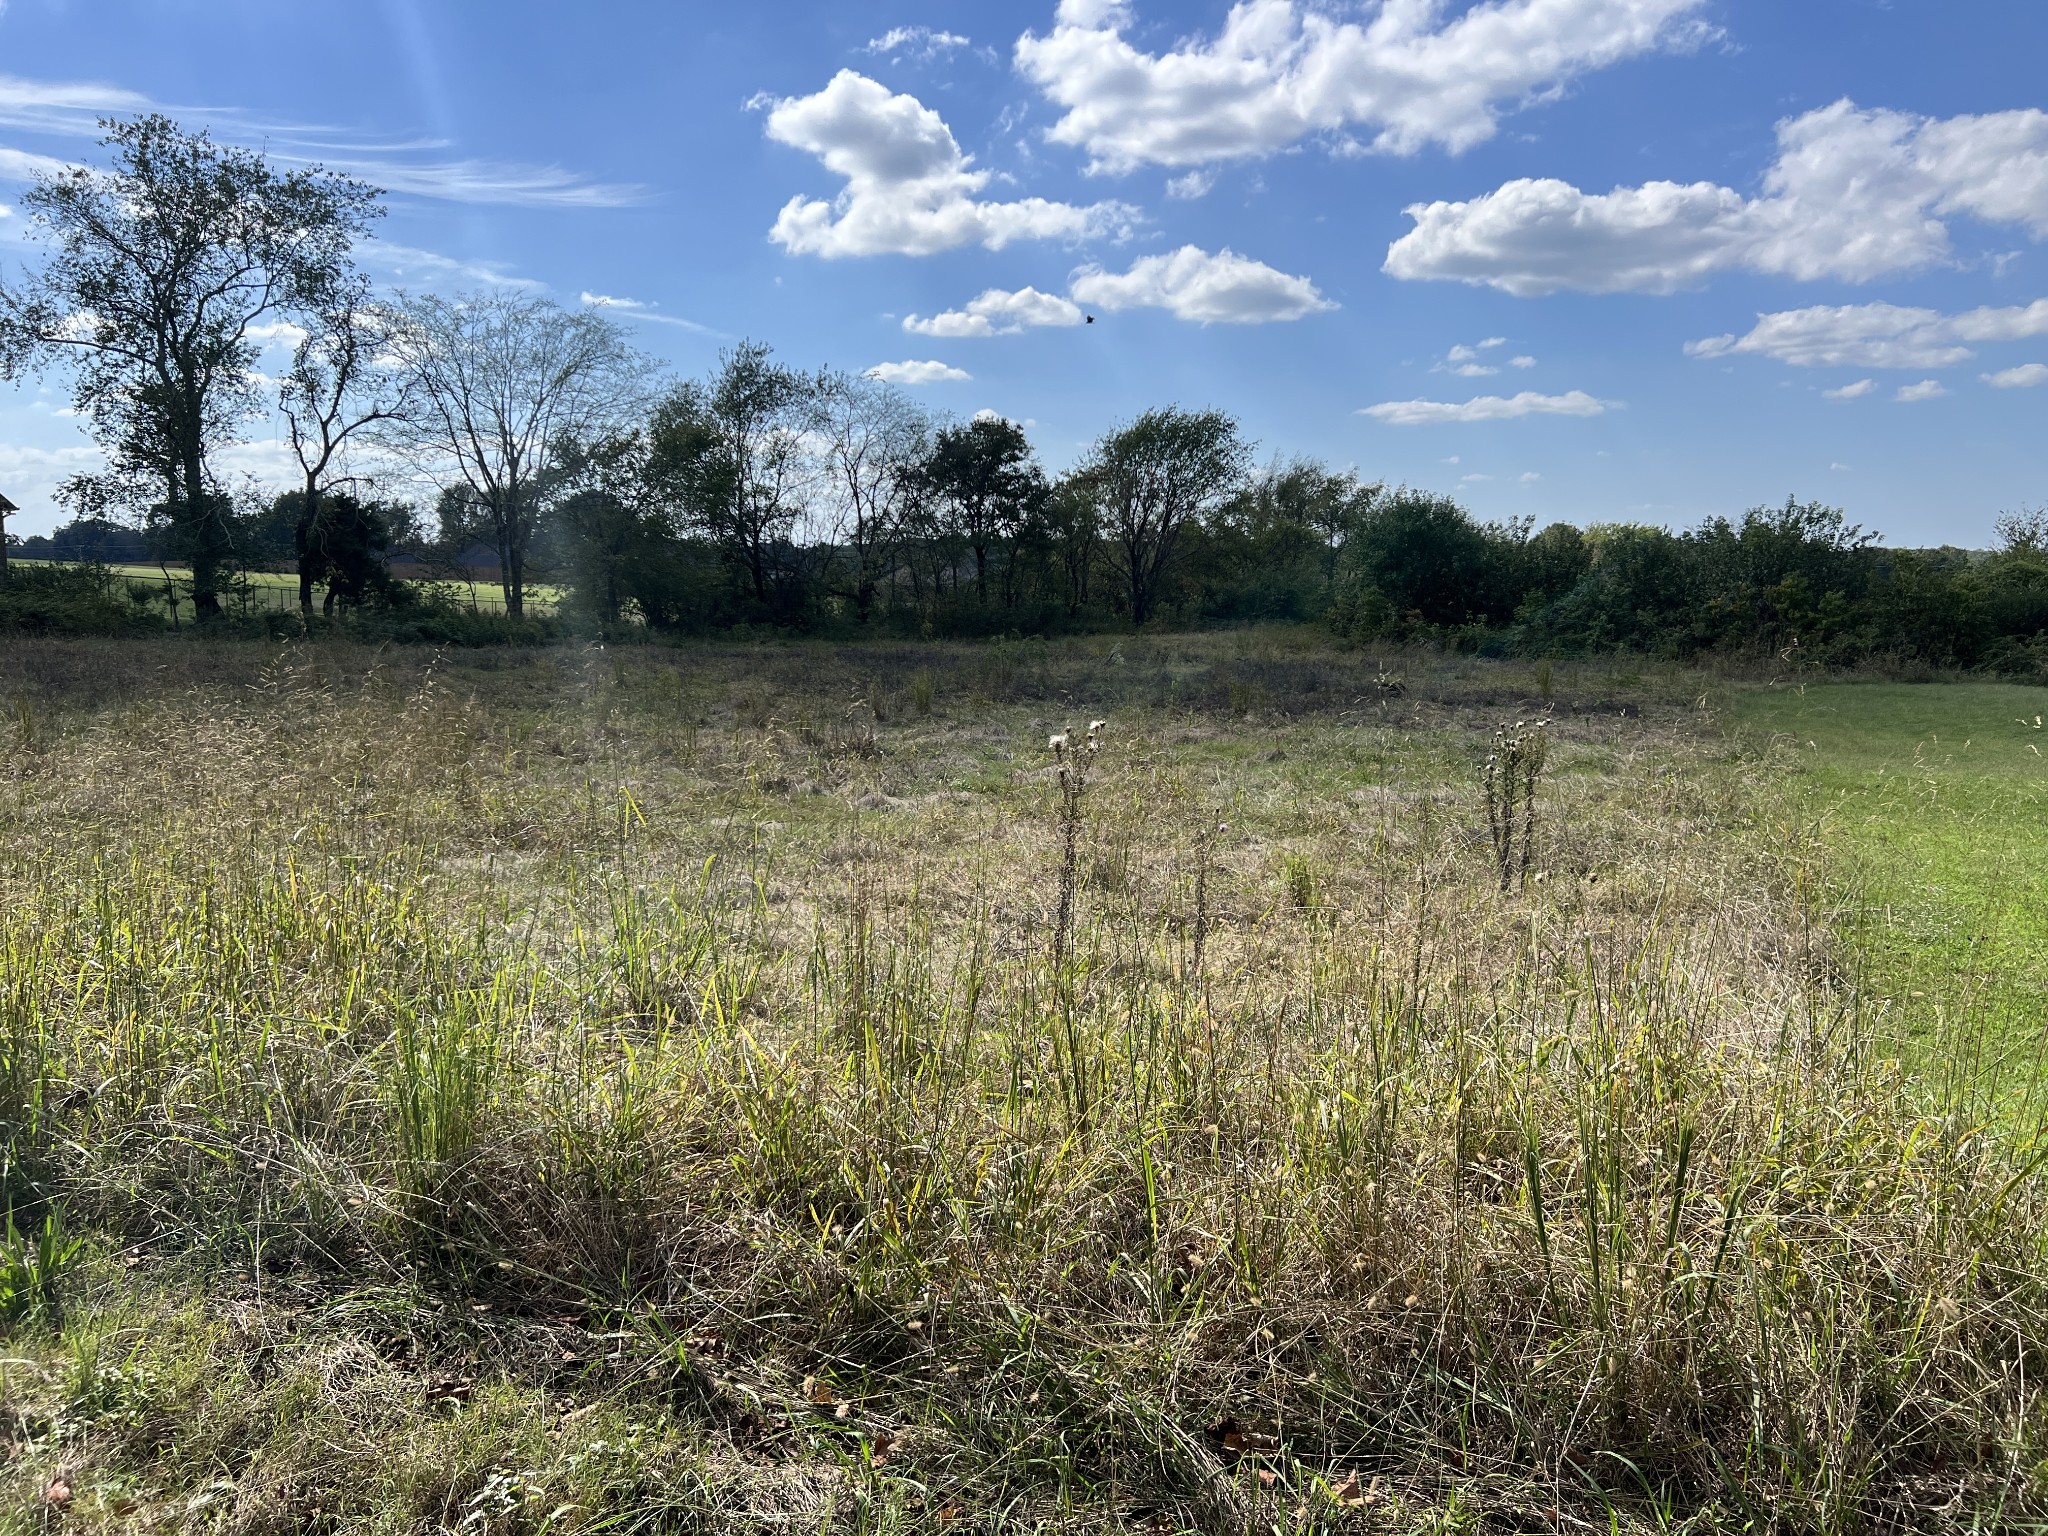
[[1075, 760], [1509, 777]]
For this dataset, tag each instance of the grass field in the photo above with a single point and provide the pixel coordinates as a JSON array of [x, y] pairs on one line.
[[652, 1091], [1936, 797], [278, 591]]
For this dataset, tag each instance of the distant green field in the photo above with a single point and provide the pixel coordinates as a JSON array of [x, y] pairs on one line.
[[1936, 800], [278, 590]]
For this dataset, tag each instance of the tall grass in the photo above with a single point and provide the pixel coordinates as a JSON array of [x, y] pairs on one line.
[[593, 1139]]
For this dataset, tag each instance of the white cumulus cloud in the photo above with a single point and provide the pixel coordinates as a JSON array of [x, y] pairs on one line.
[[1853, 194], [2025, 376], [910, 190], [1423, 413], [1195, 284], [1854, 391], [1926, 389], [1403, 77], [1877, 335], [997, 313], [919, 373]]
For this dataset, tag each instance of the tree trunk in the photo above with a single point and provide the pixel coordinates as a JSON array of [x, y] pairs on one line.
[[309, 514], [206, 539], [515, 583]]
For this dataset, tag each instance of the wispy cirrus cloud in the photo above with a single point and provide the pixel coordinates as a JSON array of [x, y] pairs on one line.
[[636, 309], [1428, 413], [74, 109], [921, 43], [408, 264]]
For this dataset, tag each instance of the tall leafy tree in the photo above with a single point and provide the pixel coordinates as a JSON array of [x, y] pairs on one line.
[[161, 267], [753, 446], [501, 386], [1154, 478], [985, 482]]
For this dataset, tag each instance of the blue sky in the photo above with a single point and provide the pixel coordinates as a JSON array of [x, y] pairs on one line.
[[1584, 259]]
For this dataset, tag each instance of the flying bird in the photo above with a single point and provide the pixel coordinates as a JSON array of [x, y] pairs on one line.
[[1091, 319]]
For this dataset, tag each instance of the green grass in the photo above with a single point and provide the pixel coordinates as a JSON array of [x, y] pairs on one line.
[[1936, 799], [635, 1091], [277, 591]]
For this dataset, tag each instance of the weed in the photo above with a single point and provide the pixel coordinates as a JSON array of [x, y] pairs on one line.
[[31, 1265], [1508, 778], [1075, 764]]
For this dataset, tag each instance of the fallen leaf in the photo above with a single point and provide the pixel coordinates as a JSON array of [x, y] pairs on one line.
[[818, 1394], [58, 1494], [1268, 1477], [880, 1447]]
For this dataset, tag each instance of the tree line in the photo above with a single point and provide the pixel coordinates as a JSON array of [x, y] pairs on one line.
[[766, 494]]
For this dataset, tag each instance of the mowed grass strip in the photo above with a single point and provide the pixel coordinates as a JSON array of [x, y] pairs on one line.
[[1936, 798]]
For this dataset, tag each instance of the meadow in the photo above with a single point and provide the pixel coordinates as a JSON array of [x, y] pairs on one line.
[[657, 1090]]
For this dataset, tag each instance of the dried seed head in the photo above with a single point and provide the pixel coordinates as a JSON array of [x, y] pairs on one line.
[[1057, 743], [1096, 727]]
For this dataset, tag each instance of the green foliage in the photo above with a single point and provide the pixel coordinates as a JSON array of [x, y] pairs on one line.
[[31, 1265], [68, 599]]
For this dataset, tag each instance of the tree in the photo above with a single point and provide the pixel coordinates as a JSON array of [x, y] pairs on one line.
[[1067, 521], [986, 482], [161, 268], [748, 431], [498, 387], [337, 387], [353, 540], [610, 526], [1167, 469], [874, 447], [1425, 556]]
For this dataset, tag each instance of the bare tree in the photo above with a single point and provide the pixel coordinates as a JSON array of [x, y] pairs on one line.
[[1167, 469], [161, 267], [874, 444], [339, 386], [499, 386]]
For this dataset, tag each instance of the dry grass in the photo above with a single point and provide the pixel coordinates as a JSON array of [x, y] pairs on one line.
[[637, 1091]]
